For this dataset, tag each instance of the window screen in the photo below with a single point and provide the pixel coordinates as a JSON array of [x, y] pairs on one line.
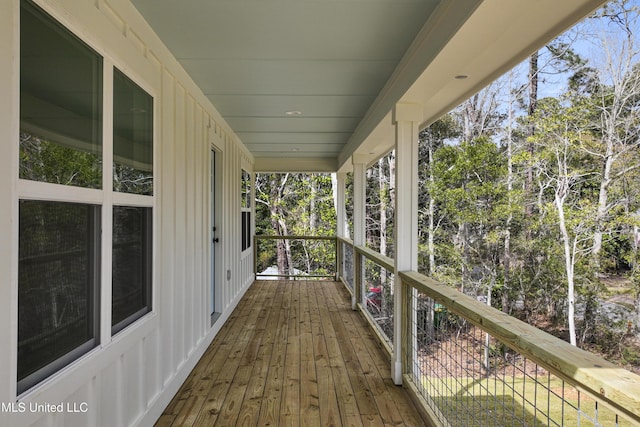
[[58, 279]]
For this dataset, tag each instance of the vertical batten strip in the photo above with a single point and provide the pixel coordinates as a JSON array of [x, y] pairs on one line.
[[107, 203], [189, 284], [167, 312], [180, 202], [197, 238]]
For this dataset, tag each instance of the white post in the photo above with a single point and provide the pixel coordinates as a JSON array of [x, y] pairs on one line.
[[359, 223], [406, 118], [339, 201], [341, 216]]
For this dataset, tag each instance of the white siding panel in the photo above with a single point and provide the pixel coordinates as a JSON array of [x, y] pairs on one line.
[[130, 378], [114, 17], [200, 240], [132, 381], [180, 226], [73, 407], [153, 378], [189, 221], [110, 391], [165, 282], [44, 421]]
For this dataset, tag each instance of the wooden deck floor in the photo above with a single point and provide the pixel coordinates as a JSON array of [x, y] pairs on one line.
[[293, 353]]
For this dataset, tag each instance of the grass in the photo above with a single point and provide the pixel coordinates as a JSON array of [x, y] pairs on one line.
[[516, 401]]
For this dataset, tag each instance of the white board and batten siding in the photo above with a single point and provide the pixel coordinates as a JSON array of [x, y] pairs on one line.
[[129, 378]]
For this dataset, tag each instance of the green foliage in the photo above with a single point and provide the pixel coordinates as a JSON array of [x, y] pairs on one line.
[[45, 161], [496, 188], [297, 204], [469, 181]]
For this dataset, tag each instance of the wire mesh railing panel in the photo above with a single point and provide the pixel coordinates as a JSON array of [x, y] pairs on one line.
[[377, 297], [468, 378], [347, 264]]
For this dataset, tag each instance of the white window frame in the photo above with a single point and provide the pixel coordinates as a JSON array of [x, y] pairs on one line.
[[246, 208], [105, 197]]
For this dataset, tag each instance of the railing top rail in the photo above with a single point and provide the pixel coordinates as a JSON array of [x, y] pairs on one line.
[[300, 276], [376, 257], [604, 380], [345, 240], [273, 237]]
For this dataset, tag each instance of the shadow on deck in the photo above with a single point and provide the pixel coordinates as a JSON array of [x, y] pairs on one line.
[[293, 353]]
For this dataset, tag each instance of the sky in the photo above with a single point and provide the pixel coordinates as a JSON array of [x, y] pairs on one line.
[[594, 40]]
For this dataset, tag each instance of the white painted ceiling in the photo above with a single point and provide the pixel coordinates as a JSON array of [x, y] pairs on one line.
[[305, 84]]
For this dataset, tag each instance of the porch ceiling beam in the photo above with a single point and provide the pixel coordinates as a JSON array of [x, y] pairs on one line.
[[498, 35], [435, 34], [301, 164]]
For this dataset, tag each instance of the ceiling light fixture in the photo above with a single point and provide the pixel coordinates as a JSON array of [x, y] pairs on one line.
[[293, 113]]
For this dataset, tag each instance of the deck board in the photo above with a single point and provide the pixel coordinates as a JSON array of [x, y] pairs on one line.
[[292, 353]]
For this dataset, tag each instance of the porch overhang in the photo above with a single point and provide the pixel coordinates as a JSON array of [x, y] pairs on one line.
[[306, 85]]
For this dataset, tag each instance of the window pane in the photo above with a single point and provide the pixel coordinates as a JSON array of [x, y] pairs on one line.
[[60, 104], [246, 189], [58, 276], [131, 265], [132, 137], [246, 230]]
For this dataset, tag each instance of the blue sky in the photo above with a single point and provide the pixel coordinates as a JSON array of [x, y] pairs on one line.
[[586, 39]]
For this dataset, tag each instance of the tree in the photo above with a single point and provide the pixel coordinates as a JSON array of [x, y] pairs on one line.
[[614, 94], [431, 139], [565, 170], [296, 204], [470, 188]]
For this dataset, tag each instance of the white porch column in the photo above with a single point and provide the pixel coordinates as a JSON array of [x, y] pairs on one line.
[[406, 119], [359, 223], [341, 213], [339, 200]]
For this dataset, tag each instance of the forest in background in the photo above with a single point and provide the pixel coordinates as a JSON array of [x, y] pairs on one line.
[[530, 191]]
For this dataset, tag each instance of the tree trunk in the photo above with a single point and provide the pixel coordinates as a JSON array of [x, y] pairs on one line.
[[568, 259], [507, 232], [391, 200], [287, 246], [533, 105], [601, 212], [635, 275], [463, 242], [281, 253], [383, 192], [470, 118], [313, 211], [278, 224], [432, 213]]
